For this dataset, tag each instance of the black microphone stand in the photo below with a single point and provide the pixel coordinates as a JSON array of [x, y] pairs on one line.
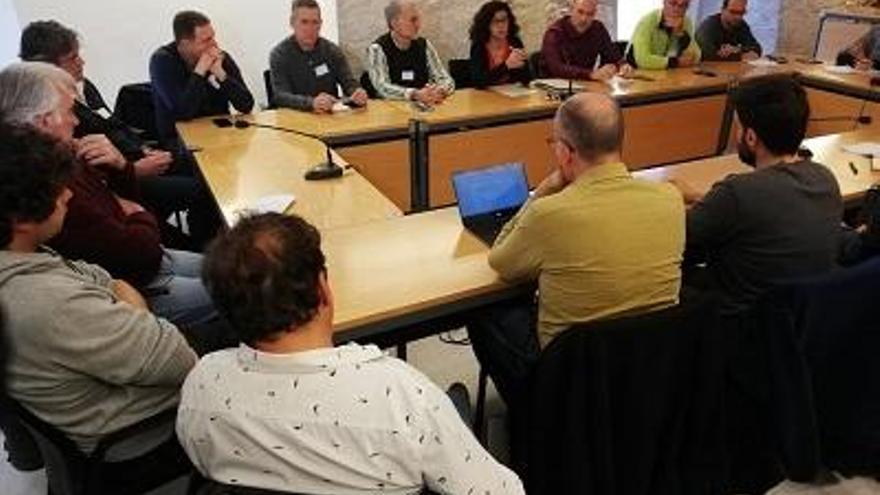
[[325, 170]]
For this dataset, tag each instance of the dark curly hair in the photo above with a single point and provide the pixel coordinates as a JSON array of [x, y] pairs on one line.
[[46, 41], [264, 274], [483, 19], [34, 170]]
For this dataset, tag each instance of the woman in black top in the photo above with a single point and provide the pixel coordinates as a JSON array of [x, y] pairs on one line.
[[497, 54]]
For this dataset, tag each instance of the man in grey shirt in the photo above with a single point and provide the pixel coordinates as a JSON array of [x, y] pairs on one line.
[[307, 68], [781, 222]]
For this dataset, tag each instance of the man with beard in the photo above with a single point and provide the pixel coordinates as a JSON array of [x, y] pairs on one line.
[[727, 36], [779, 223]]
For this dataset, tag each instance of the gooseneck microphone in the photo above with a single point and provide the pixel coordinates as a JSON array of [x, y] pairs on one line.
[[324, 170]]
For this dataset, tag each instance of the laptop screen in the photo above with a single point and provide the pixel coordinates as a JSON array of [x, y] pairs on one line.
[[490, 189]]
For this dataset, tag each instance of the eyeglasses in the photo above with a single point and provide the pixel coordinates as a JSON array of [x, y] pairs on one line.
[[553, 141]]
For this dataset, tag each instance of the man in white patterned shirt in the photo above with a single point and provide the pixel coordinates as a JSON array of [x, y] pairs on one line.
[[288, 411], [405, 66]]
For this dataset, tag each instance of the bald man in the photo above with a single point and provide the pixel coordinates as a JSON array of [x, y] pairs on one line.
[[726, 36], [600, 244], [405, 66], [578, 46]]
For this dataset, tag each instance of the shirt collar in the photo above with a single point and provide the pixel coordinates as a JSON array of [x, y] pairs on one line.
[[315, 361], [602, 173]]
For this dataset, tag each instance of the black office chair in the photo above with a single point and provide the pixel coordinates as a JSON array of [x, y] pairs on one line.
[[123, 462], [135, 107], [460, 70], [622, 46], [270, 91], [628, 406], [834, 325], [536, 64]]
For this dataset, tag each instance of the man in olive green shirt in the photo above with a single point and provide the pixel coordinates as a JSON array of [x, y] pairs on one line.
[[600, 244], [664, 38]]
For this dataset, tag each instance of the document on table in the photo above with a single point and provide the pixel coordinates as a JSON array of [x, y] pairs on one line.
[[868, 149], [513, 90]]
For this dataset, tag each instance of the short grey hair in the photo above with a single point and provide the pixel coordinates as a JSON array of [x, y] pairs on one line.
[[31, 89], [394, 8]]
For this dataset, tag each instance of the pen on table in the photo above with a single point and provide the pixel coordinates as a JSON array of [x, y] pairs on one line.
[[855, 170]]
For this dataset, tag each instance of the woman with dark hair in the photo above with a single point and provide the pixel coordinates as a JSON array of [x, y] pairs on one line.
[[497, 53]]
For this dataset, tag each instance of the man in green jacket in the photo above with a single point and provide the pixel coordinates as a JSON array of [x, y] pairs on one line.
[[664, 39]]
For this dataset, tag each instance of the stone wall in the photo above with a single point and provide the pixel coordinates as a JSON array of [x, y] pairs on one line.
[[446, 23], [783, 26]]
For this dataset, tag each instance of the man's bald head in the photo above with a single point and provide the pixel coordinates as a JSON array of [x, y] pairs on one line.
[[591, 124]]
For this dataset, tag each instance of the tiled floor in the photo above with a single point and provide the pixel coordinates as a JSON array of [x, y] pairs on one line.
[[446, 364]]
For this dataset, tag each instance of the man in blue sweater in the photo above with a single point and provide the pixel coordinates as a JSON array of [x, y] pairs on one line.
[[192, 77]]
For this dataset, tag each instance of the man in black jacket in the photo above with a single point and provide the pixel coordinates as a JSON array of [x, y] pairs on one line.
[[192, 77], [167, 185]]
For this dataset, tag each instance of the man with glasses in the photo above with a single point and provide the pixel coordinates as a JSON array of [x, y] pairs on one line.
[[664, 38], [726, 36], [598, 242]]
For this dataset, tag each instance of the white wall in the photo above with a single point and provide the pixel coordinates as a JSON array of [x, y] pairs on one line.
[[9, 32], [118, 37]]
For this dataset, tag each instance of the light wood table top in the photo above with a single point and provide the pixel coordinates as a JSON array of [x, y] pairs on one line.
[[379, 117], [827, 150], [239, 174], [384, 270], [475, 104]]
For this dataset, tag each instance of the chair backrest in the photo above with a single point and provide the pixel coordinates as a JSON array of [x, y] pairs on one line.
[[536, 64], [367, 84], [622, 46], [135, 107], [144, 463], [836, 322], [460, 70], [270, 91], [630, 405], [66, 465]]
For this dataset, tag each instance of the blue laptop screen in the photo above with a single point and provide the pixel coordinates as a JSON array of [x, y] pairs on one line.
[[490, 189]]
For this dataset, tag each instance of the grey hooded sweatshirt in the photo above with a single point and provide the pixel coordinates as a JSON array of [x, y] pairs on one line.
[[82, 360]]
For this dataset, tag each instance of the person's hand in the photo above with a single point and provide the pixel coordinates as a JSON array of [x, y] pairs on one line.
[[206, 61], [728, 50], [749, 56], [551, 184], [864, 64], [124, 292], [516, 59], [154, 163], [217, 67], [430, 95], [604, 73], [687, 60], [323, 103], [359, 97], [96, 150], [625, 70], [129, 208], [690, 195]]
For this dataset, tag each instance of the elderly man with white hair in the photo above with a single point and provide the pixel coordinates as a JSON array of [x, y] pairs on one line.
[[405, 66], [105, 224]]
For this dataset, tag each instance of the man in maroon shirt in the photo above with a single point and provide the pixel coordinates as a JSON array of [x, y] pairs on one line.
[[105, 225], [578, 46]]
